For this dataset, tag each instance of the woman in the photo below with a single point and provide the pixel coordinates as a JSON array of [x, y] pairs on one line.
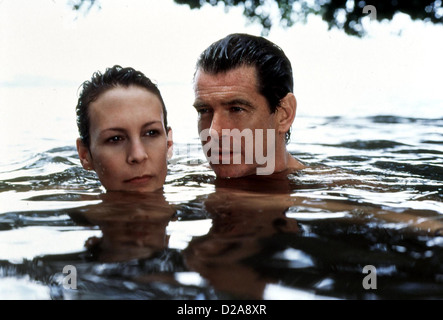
[[124, 135]]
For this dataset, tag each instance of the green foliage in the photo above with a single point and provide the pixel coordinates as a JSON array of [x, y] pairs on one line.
[[79, 5], [345, 15]]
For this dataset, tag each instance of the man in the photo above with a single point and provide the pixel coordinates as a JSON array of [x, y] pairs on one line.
[[243, 94]]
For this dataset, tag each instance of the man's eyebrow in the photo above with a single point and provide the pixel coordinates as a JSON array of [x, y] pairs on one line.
[[199, 104], [241, 102], [234, 102]]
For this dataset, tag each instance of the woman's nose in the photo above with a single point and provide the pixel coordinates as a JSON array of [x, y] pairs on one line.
[[137, 152]]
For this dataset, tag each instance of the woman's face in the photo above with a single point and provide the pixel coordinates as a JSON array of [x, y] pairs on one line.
[[129, 145]]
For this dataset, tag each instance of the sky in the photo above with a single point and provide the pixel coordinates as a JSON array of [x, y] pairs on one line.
[[47, 50]]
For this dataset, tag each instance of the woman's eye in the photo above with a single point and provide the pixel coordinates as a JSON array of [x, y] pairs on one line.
[[152, 133], [114, 139]]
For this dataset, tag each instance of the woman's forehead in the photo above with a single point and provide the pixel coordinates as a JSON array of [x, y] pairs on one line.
[[126, 103]]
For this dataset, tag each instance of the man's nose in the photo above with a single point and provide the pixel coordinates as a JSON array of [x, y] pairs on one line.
[[137, 152], [218, 123]]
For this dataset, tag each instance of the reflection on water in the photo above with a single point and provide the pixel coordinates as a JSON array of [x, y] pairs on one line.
[[133, 226], [371, 196]]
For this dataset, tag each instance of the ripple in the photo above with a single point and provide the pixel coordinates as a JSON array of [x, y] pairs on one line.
[[423, 170], [370, 144]]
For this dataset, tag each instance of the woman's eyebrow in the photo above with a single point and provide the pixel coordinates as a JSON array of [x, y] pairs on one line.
[[118, 129], [112, 129], [150, 123]]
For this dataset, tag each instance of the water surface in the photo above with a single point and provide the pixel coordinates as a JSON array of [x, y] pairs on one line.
[[371, 196]]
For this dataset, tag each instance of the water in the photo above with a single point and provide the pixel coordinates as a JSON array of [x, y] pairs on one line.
[[372, 196]]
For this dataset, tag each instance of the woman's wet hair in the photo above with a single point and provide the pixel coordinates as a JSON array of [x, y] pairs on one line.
[[100, 83], [274, 70]]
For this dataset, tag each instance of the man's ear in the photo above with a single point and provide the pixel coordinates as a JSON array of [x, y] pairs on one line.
[[286, 113], [84, 155], [170, 143]]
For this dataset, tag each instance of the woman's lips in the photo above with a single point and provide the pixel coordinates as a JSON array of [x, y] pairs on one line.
[[139, 180]]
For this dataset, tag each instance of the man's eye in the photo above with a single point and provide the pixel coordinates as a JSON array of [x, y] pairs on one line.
[[203, 110], [237, 109]]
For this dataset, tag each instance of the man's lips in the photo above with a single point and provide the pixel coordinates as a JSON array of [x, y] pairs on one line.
[[223, 156], [221, 152], [214, 151], [139, 180]]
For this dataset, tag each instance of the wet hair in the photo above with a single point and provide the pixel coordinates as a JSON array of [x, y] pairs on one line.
[[273, 68], [100, 83]]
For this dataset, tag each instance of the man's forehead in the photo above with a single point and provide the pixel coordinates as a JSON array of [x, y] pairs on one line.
[[241, 74], [234, 87]]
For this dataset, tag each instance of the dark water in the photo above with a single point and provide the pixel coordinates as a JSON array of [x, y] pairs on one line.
[[372, 196]]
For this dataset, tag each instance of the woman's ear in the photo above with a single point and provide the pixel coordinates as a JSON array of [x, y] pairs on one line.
[[84, 155], [169, 143], [286, 113]]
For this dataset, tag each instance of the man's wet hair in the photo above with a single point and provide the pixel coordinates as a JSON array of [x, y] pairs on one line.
[[274, 70], [100, 83]]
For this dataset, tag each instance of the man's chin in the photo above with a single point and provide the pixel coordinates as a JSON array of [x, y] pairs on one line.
[[227, 171]]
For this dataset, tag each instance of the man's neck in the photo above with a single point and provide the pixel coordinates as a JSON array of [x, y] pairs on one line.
[[286, 162], [292, 163]]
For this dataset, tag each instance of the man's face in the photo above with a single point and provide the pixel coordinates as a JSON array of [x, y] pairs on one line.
[[228, 101]]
